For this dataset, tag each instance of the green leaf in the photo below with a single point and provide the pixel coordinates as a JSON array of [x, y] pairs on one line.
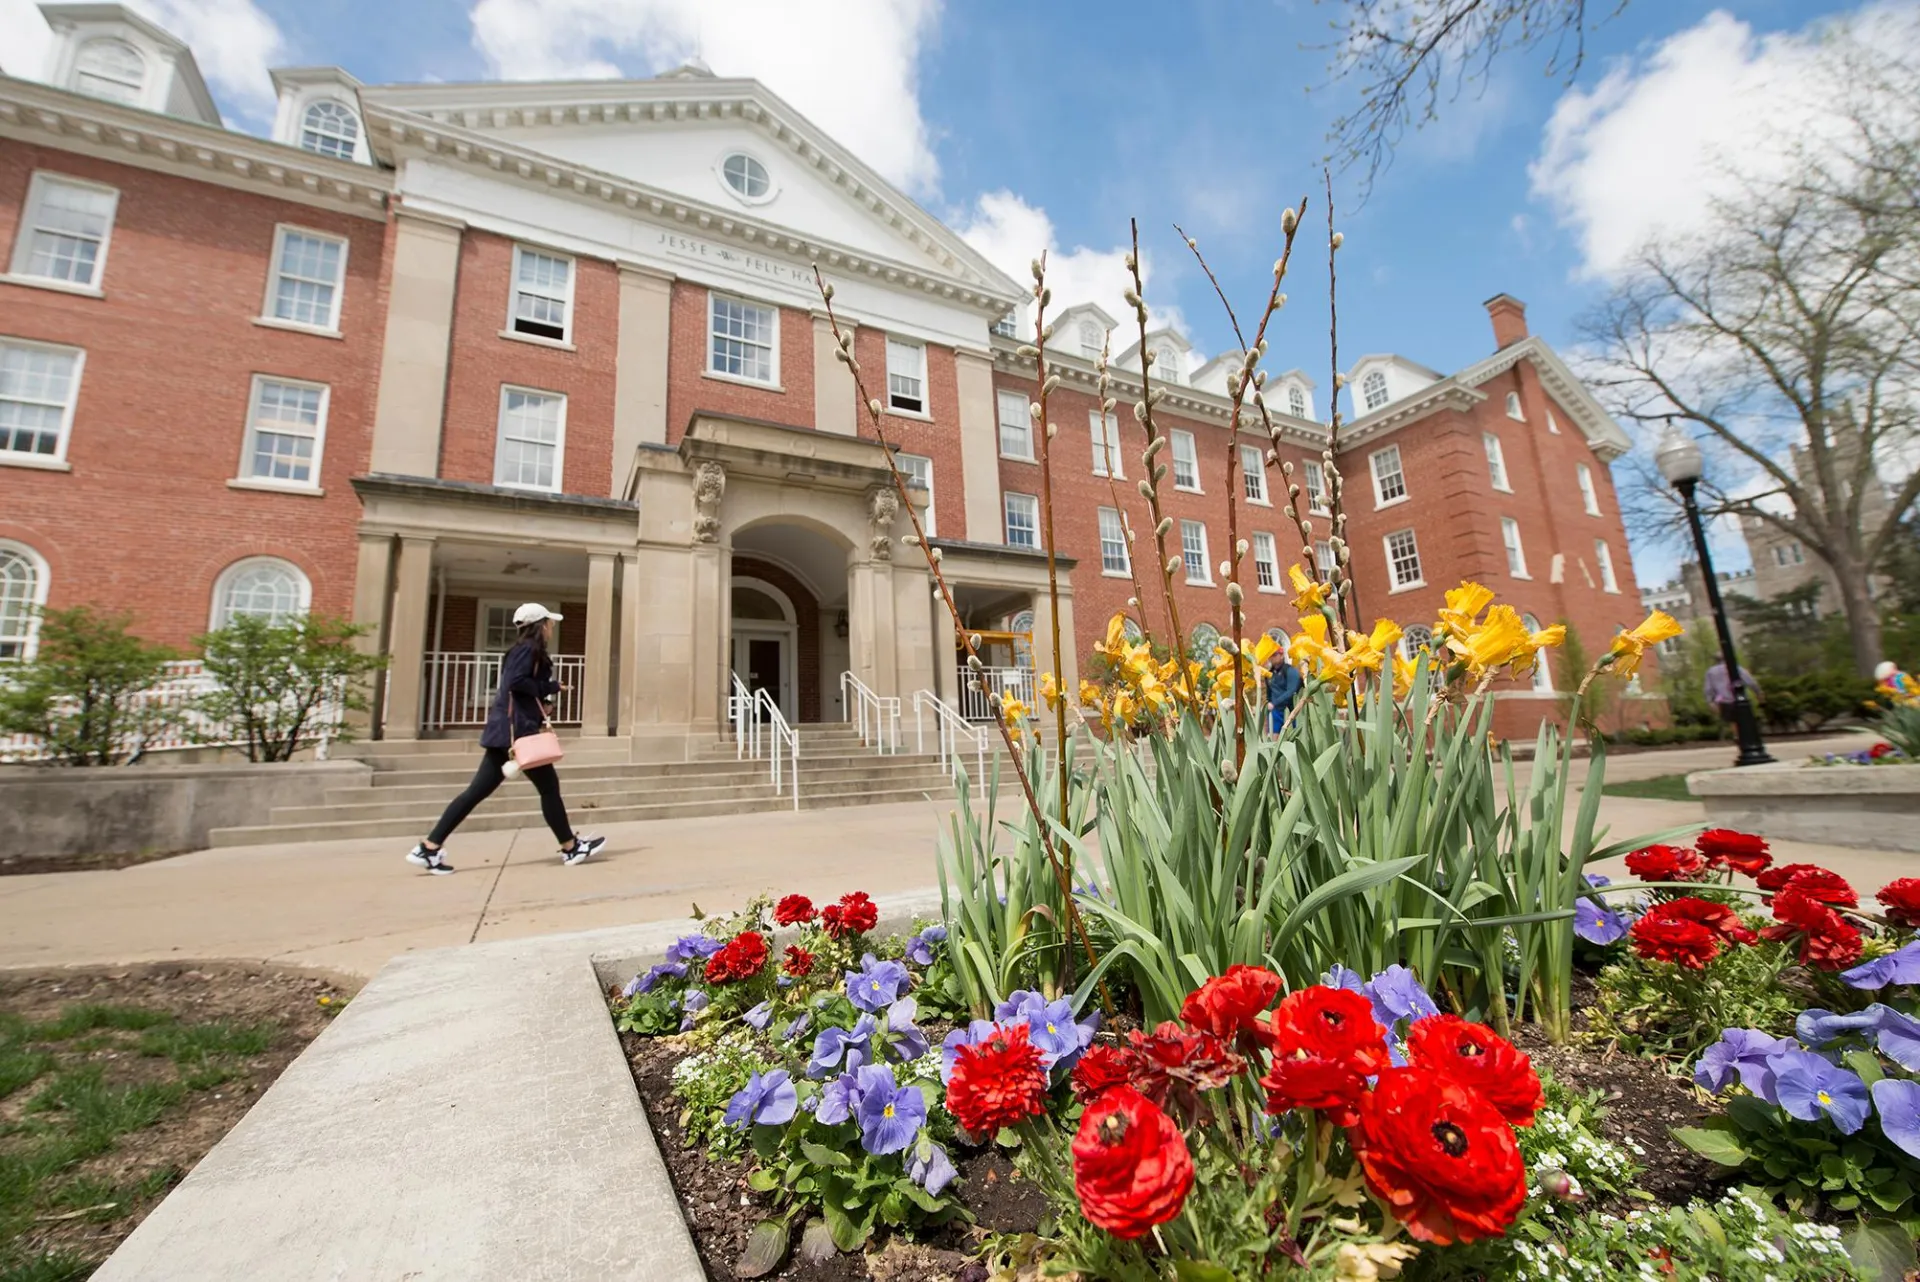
[[1714, 1145], [1200, 1271], [761, 1180], [1865, 1063], [846, 1234], [816, 1243], [1881, 1250], [766, 1247], [820, 1155]]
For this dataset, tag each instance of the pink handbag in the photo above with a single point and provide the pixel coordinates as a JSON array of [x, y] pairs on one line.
[[542, 749]]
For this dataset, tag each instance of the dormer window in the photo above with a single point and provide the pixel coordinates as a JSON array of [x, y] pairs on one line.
[[746, 177], [1296, 400], [1373, 390], [1091, 340], [331, 129], [111, 69], [1166, 365]]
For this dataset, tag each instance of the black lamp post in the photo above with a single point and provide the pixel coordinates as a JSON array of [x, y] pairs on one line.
[[1678, 458]]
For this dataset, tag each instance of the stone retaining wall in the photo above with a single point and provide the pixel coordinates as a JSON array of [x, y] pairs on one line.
[[1872, 807]]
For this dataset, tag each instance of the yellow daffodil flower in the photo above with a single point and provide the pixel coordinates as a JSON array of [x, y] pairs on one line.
[[1091, 695], [1050, 691], [1494, 642], [1309, 594], [1630, 647], [1404, 671], [1464, 604]]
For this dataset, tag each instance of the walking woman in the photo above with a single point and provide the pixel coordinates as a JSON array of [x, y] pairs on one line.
[[519, 708]]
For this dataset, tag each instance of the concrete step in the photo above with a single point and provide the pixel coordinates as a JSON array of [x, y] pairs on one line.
[[450, 776], [441, 785]]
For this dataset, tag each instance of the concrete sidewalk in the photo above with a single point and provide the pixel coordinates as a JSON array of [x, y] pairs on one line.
[[350, 906]]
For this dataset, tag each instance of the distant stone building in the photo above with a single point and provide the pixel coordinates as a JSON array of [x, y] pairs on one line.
[[1685, 598], [1782, 564]]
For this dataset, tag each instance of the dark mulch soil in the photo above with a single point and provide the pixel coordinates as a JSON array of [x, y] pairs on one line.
[[200, 994], [86, 862], [721, 1211]]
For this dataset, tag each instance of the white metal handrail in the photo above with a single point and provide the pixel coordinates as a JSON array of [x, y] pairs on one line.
[[977, 691], [876, 715], [758, 722], [460, 686], [949, 729], [781, 735]]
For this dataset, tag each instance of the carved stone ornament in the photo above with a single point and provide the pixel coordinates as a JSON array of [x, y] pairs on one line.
[[883, 505], [709, 484]]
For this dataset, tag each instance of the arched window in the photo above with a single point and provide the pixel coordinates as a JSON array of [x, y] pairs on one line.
[[1131, 630], [264, 587], [1415, 639], [1513, 407], [1166, 366], [1205, 637], [330, 128], [1296, 401], [1373, 389], [111, 69], [1022, 650], [1542, 675], [1091, 340], [23, 590]]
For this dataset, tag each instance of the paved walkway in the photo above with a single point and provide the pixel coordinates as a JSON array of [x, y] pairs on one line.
[[349, 906]]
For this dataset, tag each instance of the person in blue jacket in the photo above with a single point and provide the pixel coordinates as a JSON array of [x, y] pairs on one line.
[[1284, 684], [519, 708]]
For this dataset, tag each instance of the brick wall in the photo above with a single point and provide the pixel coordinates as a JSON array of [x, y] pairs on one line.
[[806, 619], [935, 436], [691, 389], [145, 520]]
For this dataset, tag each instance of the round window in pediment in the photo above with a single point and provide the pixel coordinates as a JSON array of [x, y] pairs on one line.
[[746, 177]]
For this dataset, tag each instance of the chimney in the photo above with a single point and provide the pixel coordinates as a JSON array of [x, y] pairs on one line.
[[1509, 317]]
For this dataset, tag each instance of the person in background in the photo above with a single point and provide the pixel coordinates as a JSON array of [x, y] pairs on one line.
[[1720, 690], [1889, 680], [1284, 684]]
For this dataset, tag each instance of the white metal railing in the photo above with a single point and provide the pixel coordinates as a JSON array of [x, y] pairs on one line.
[[977, 693], [171, 722], [951, 732], [458, 688], [876, 715], [758, 725]]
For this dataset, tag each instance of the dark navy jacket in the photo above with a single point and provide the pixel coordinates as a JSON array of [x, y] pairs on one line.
[[1283, 685], [526, 680]]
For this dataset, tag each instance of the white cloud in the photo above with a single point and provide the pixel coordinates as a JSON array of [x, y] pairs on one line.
[[1011, 234], [233, 41], [1647, 149], [850, 65]]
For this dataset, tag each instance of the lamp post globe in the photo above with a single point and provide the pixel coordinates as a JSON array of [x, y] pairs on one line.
[[1678, 457]]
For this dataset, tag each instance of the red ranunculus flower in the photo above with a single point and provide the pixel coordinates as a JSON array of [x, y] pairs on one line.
[[792, 910], [855, 914], [1879, 750], [1131, 1168], [1902, 901], [1301, 1080], [1740, 851], [1667, 863], [1442, 1158], [1101, 1068], [1777, 877], [1325, 1043], [1821, 884], [997, 1082], [799, 962], [1170, 1056], [1671, 939], [1825, 938], [1477, 1057], [740, 958], [1230, 1004], [1718, 918]]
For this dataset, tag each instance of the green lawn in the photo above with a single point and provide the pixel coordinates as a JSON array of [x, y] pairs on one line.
[[75, 1087], [1658, 788]]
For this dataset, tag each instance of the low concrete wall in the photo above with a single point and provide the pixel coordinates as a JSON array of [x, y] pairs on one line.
[[57, 810], [1873, 807]]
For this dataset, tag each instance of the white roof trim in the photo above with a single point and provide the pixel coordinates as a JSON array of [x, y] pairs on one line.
[[1448, 393], [1608, 439], [63, 18]]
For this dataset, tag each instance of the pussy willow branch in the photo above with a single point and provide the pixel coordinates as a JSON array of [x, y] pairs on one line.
[[1042, 296], [1150, 483], [844, 353], [1105, 377], [1336, 487]]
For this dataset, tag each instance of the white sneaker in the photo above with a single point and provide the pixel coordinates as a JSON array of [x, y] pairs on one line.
[[584, 848], [434, 861]]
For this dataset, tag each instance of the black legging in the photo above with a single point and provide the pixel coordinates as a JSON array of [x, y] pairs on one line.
[[545, 779]]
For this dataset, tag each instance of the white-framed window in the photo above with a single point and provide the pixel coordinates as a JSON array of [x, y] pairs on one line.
[[1023, 520], [1323, 556], [1496, 462], [906, 376], [111, 69], [918, 469], [1588, 495], [532, 442], [1542, 674], [1007, 326], [1785, 554], [1416, 638], [65, 231], [542, 304], [746, 177], [304, 286], [1296, 400], [1253, 475], [1021, 625], [1092, 340], [1373, 390], [1202, 642], [1166, 366], [1604, 559], [1403, 560], [1516, 557], [23, 594], [1186, 462], [1389, 481], [286, 429], [1115, 557], [1105, 429], [1513, 407], [330, 128], [1266, 563], [744, 340], [1553, 424], [1016, 426], [495, 632], [1193, 551], [1316, 488], [264, 587], [39, 384]]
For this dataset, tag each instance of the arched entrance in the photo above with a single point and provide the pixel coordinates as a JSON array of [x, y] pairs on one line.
[[788, 617], [766, 635]]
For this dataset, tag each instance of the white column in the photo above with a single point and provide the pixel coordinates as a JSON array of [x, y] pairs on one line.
[[407, 647], [597, 691], [411, 402]]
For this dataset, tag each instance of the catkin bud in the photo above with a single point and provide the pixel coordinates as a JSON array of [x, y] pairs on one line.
[[1339, 239], [1289, 220], [1033, 410], [1046, 296], [1039, 272], [1053, 430], [1235, 595], [1192, 243], [1146, 491], [935, 556], [1133, 603], [873, 407], [973, 660], [826, 291], [1164, 528], [1028, 350], [1229, 772], [1140, 411], [1160, 473], [846, 342], [840, 354], [1173, 563], [911, 540], [1051, 386], [1240, 550], [1226, 570], [1286, 468]]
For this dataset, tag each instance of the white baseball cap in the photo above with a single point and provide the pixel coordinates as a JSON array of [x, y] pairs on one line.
[[533, 612]]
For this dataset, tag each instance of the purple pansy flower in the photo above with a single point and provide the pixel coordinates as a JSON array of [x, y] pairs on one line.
[[889, 1115], [690, 947], [1396, 995], [930, 1167], [1341, 977], [901, 1035], [877, 984], [1598, 925], [1809, 1088], [1902, 967], [1896, 1034], [764, 1101], [1598, 879], [838, 1100], [1899, 1038], [972, 1035], [648, 982], [1898, 1103], [920, 949], [854, 1044], [1742, 1053], [796, 1026], [759, 1017], [1817, 1027], [1050, 1026]]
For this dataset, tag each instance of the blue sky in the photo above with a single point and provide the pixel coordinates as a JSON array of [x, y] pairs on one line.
[[1069, 117]]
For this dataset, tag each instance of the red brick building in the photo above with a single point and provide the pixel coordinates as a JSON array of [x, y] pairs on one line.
[[434, 350]]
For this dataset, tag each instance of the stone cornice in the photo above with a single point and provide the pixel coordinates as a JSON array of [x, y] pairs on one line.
[[37, 113], [1608, 439], [495, 497], [1447, 394]]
